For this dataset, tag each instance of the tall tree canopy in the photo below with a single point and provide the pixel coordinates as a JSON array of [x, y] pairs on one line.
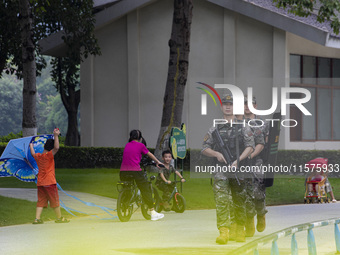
[[19, 51]]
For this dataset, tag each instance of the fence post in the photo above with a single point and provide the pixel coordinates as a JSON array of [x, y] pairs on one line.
[[337, 237], [275, 248], [311, 243], [294, 246]]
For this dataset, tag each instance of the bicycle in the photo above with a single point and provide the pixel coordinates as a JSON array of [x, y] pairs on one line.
[[179, 203], [129, 194]]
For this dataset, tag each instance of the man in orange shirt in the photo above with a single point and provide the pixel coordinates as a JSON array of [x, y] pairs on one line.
[[47, 184]]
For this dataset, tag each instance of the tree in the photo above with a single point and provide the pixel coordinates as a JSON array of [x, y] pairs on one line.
[[29, 122], [66, 76], [38, 19], [10, 105], [179, 45], [50, 109], [324, 9], [76, 20]]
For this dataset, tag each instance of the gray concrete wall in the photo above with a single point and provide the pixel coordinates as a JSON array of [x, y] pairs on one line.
[[123, 88], [104, 97]]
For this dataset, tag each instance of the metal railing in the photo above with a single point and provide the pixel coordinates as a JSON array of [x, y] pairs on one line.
[[253, 246]]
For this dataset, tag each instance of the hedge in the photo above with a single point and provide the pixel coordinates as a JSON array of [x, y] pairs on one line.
[[108, 157]]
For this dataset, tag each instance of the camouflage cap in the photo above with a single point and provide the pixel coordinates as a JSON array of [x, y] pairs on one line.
[[246, 99], [227, 98]]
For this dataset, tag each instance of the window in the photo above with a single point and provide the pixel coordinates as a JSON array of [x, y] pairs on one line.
[[321, 76]]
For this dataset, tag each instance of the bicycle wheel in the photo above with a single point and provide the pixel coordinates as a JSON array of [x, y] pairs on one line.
[[145, 208], [124, 208], [179, 205]]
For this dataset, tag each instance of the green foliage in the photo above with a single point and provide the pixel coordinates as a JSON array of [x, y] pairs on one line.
[[76, 20], [50, 110], [109, 157], [10, 105], [5, 139], [52, 114], [326, 10]]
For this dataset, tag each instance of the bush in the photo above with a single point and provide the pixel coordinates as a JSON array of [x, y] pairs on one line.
[[108, 157], [10, 136]]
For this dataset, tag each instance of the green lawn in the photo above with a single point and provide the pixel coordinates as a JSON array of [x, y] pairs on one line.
[[10, 214], [197, 192]]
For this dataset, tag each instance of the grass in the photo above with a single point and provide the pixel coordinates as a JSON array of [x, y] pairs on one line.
[[197, 192], [11, 215]]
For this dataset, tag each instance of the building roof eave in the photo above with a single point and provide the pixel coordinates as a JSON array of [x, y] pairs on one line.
[[276, 19]]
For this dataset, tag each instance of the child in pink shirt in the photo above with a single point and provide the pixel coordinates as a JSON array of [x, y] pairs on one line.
[[130, 168]]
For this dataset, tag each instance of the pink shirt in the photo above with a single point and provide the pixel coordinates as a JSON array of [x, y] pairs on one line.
[[132, 156]]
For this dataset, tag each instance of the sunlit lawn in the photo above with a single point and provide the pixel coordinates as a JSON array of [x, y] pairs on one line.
[[197, 191]]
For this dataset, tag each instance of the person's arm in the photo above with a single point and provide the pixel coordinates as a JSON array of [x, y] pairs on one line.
[[150, 155], [214, 154], [257, 151], [180, 176], [164, 179], [56, 134], [244, 155], [32, 149]]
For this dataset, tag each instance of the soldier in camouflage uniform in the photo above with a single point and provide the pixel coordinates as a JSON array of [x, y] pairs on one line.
[[227, 188], [256, 195]]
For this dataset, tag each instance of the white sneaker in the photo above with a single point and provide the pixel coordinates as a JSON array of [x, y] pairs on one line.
[[334, 200], [156, 216]]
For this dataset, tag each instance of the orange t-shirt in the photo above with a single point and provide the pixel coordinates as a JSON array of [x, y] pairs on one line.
[[45, 162]]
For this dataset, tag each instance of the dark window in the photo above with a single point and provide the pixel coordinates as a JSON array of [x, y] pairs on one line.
[[321, 76]]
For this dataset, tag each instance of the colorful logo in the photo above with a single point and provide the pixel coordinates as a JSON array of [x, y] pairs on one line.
[[204, 97]]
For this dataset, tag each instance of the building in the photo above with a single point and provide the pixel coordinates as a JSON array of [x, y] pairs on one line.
[[249, 43]]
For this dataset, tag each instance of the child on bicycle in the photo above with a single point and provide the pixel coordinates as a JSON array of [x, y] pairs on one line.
[[163, 182], [130, 169]]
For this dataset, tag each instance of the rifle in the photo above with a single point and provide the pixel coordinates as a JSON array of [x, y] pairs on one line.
[[222, 147]]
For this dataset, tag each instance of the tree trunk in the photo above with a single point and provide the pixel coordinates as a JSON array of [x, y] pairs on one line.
[[72, 136], [29, 123], [179, 44], [70, 100]]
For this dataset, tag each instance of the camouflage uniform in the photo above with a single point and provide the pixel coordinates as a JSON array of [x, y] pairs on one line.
[[161, 185], [255, 201], [227, 189]]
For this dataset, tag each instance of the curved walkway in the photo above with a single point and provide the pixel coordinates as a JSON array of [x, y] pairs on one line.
[[192, 232]]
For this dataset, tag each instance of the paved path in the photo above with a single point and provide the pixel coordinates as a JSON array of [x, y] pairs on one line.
[[192, 232]]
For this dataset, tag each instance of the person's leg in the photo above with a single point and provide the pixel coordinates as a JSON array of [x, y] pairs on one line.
[[238, 192], [144, 187], [328, 189], [260, 205], [223, 202], [143, 184], [42, 202], [250, 206], [38, 212], [165, 195], [310, 187], [316, 189], [53, 197], [57, 212], [332, 195]]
